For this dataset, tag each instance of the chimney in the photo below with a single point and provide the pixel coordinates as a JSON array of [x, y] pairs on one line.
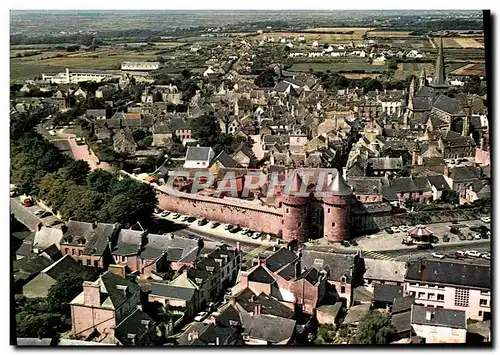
[[257, 309], [238, 248], [194, 334], [446, 171], [110, 245], [428, 315], [91, 294], [118, 270], [420, 266], [217, 341], [297, 269]]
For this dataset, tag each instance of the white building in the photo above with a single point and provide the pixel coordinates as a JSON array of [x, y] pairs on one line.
[[144, 66], [198, 157], [78, 75]]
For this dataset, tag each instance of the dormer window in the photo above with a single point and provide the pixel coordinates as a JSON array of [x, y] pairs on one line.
[[343, 279]]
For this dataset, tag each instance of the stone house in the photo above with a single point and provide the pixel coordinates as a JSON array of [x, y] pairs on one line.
[[454, 146], [412, 188], [439, 325], [102, 306], [460, 176], [449, 285], [123, 142]]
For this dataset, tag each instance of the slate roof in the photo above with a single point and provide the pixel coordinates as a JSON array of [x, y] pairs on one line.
[[356, 313], [386, 270], [386, 293], [403, 304], [171, 292], [332, 309], [449, 105], [402, 321], [386, 163], [198, 153], [97, 239], [438, 182], [179, 124], [261, 275], [280, 258], [247, 300], [207, 334], [463, 173], [29, 266], [337, 265], [422, 103], [269, 328], [96, 112], [407, 184], [226, 160], [109, 283], [129, 242], [440, 317], [450, 273], [67, 264], [137, 323], [366, 185]]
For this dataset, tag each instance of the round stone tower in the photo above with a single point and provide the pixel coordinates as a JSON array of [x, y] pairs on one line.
[[336, 208], [294, 205]]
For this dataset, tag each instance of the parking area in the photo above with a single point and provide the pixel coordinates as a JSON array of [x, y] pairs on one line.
[[32, 215], [219, 229]]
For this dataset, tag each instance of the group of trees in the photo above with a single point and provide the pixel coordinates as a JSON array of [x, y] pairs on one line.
[[375, 328], [39, 169], [46, 318]]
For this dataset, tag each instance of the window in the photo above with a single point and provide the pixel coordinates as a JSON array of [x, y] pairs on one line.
[[483, 302], [328, 210], [287, 210], [421, 295], [440, 298], [333, 224], [282, 221], [300, 224], [342, 289], [88, 262], [72, 251], [431, 296], [480, 314], [80, 253], [462, 297], [66, 251], [124, 258]]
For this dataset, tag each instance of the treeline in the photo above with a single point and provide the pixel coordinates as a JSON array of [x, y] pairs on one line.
[[39, 169], [79, 38]]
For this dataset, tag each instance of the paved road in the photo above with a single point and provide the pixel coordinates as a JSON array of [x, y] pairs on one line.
[[26, 215]]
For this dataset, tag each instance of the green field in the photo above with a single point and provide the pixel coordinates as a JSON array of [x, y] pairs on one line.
[[337, 66]]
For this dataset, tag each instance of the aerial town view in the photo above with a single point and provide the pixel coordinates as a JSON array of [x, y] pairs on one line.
[[257, 177]]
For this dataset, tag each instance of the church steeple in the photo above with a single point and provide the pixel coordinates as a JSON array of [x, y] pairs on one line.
[[423, 79], [439, 79]]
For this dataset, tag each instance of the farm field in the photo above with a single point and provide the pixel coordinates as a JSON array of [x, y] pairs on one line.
[[406, 69], [470, 69], [361, 75], [420, 44], [359, 31], [459, 42], [389, 34], [105, 58], [337, 66]]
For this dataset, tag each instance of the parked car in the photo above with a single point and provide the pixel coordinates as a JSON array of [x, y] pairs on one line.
[[214, 225], [486, 219], [404, 228], [446, 238], [201, 316], [473, 253], [460, 254], [202, 222], [395, 229], [28, 202], [438, 255], [175, 216], [184, 219], [245, 230], [55, 223], [486, 256], [455, 230], [451, 256], [13, 193], [470, 236], [228, 227], [164, 213], [354, 243], [158, 210], [462, 237], [256, 235], [389, 230], [345, 243], [45, 214], [249, 233], [477, 236], [234, 229], [190, 219], [39, 212]]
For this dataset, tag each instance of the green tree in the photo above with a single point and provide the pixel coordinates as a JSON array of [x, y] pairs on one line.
[[206, 130], [45, 325], [325, 334], [76, 171], [100, 180], [266, 79], [375, 328], [449, 196], [68, 286]]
